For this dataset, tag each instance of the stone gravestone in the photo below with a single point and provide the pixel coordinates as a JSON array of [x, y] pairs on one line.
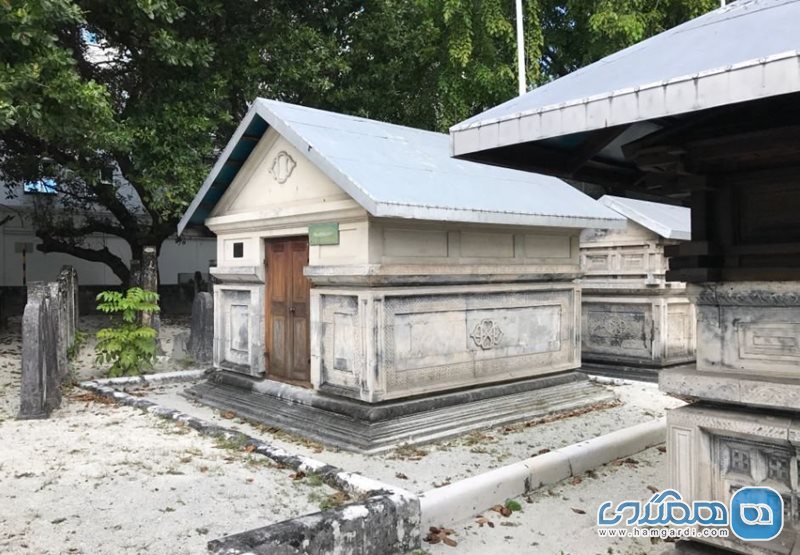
[[68, 281], [201, 340], [40, 392], [149, 282]]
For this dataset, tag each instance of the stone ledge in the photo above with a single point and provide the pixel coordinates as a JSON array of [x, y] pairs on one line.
[[752, 390], [362, 428], [383, 523]]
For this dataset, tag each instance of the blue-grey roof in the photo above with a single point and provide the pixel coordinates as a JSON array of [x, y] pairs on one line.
[[400, 172], [668, 221], [747, 49]]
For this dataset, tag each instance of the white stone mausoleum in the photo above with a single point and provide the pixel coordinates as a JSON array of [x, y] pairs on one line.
[[634, 320], [359, 260]]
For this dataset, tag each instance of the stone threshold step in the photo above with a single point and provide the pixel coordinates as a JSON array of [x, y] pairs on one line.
[[352, 426]]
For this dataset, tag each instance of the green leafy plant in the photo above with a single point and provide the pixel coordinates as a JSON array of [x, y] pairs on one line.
[[77, 344], [129, 347]]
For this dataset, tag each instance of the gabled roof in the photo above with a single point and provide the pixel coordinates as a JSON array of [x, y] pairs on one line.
[[670, 222], [400, 172], [746, 50]]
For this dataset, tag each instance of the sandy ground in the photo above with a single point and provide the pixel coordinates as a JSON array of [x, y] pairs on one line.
[[102, 479], [84, 366], [420, 469], [97, 478], [560, 520]]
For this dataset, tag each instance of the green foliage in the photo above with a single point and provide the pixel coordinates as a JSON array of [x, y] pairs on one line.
[[128, 347], [152, 89], [77, 344], [513, 505]]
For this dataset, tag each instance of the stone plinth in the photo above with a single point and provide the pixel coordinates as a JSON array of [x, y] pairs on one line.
[[714, 451], [374, 428], [743, 429], [375, 344]]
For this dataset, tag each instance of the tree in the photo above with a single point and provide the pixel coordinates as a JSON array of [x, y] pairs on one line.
[[604, 27], [125, 104]]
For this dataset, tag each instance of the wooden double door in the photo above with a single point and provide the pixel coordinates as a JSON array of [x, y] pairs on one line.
[[287, 311]]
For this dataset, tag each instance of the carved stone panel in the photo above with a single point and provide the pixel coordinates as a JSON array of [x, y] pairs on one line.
[[619, 329], [749, 327], [376, 344], [238, 331], [341, 345], [713, 452]]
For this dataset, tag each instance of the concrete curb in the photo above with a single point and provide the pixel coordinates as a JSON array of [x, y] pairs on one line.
[[466, 498], [158, 378]]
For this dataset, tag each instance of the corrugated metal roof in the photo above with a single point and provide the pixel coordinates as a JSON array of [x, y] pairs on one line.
[[400, 172], [748, 49], [670, 222]]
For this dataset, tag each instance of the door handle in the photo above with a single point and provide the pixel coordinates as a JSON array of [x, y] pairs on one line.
[[291, 309]]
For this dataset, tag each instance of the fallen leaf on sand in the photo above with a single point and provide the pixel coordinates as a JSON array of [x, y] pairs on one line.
[[436, 535], [481, 520], [576, 480], [502, 509], [653, 489], [299, 475], [228, 415], [578, 511], [400, 476]]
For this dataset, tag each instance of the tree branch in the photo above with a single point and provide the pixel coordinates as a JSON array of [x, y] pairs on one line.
[[104, 256]]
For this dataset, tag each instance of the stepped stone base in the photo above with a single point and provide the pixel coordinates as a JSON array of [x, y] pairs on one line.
[[638, 373], [374, 428]]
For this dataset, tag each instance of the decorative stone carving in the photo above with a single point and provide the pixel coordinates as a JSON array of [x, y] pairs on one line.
[[745, 294], [714, 451], [486, 334], [282, 167], [375, 345]]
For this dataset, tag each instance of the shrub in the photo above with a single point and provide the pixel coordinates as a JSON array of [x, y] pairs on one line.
[[128, 347]]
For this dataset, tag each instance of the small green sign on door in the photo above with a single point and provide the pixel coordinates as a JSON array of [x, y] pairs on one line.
[[323, 234]]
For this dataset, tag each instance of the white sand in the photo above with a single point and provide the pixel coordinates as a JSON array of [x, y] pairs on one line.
[[102, 479], [548, 525], [458, 458]]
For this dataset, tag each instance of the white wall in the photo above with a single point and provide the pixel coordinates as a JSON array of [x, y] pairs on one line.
[[194, 254]]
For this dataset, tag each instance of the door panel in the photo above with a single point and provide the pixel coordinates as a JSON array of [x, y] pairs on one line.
[[287, 315]]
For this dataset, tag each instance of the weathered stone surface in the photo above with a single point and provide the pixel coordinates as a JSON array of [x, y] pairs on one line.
[[749, 327], [40, 390], [149, 282], [713, 451], [368, 428], [201, 340], [378, 344], [631, 315], [382, 524], [239, 325]]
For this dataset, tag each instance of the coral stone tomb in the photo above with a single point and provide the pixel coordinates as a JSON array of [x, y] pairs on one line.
[[707, 113], [371, 290], [634, 320]]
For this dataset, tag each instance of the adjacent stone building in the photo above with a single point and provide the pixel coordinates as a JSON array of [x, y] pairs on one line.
[[634, 320], [357, 259], [707, 114]]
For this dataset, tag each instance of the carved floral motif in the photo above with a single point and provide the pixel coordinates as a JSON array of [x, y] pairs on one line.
[[486, 334]]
